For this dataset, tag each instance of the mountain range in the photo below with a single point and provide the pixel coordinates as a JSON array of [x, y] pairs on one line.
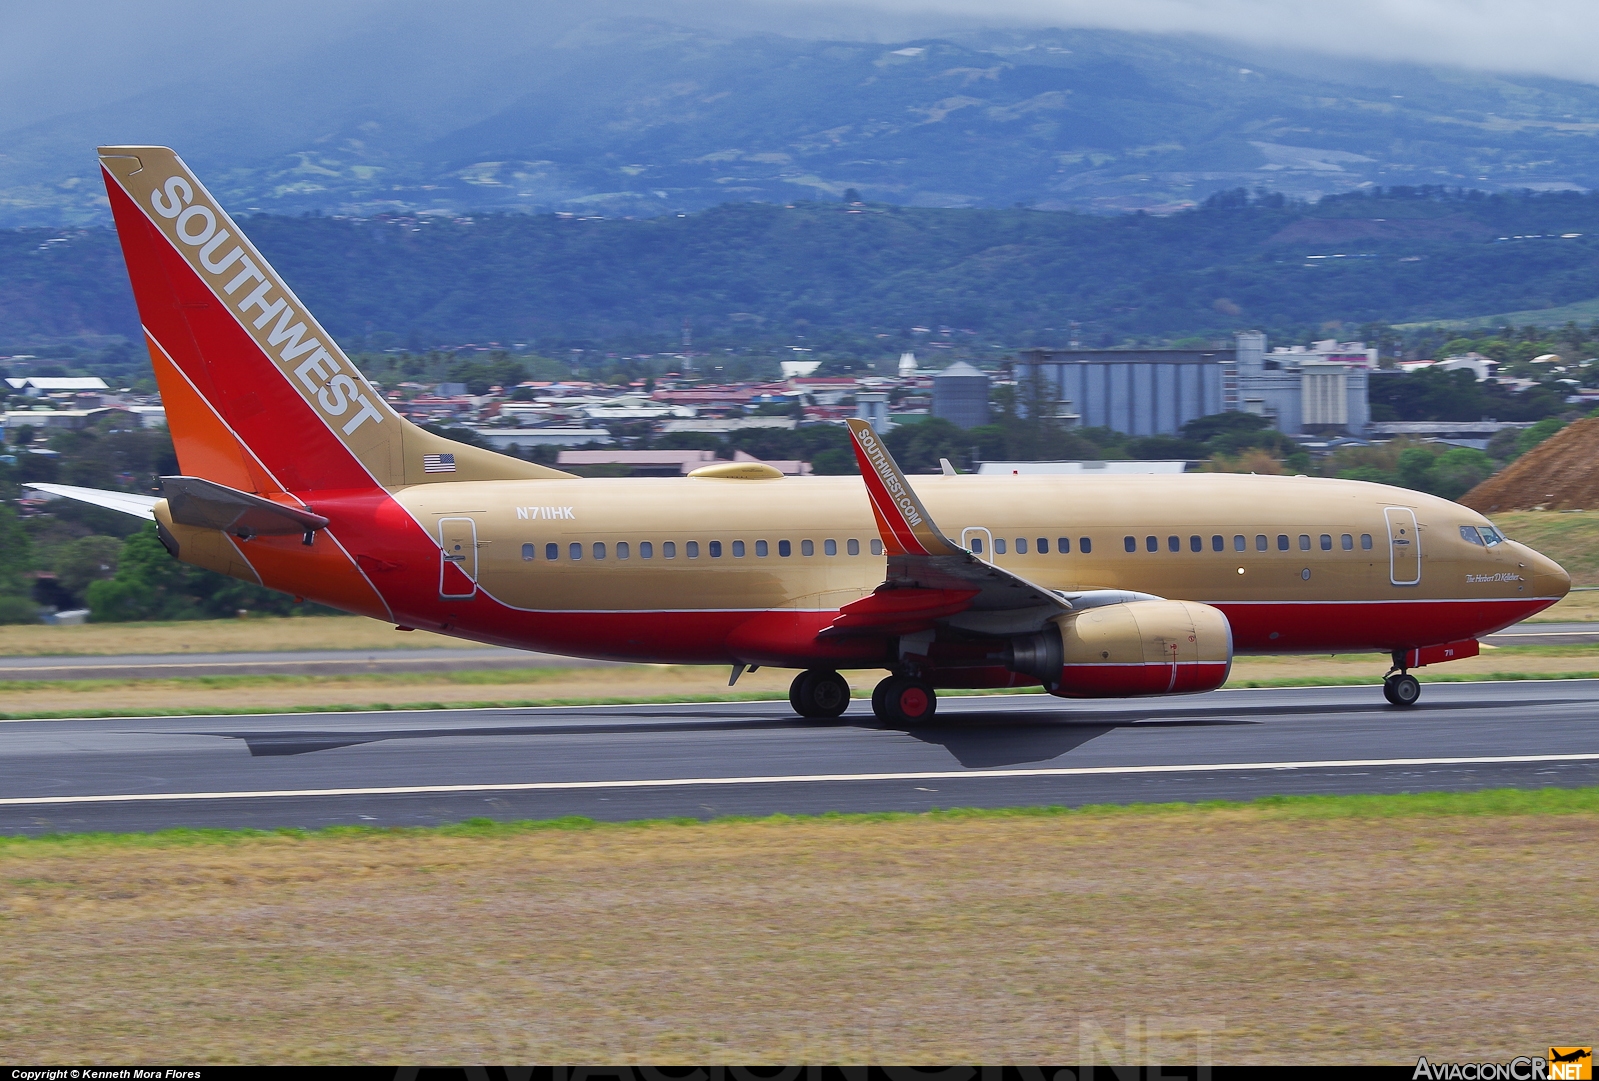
[[634, 117]]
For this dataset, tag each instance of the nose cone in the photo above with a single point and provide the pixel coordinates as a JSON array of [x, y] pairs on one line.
[[1549, 579]]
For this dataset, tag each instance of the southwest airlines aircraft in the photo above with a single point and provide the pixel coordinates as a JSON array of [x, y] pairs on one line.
[[299, 476]]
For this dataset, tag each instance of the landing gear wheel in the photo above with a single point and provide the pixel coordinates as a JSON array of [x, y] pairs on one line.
[[880, 698], [819, 693], [904, 700], [1403, 690]]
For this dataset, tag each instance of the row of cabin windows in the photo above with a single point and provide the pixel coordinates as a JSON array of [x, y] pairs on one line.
[[691, 549], [1218, 543], [1063, 545]]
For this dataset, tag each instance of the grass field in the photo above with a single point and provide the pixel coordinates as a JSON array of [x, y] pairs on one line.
[[20, 699], [1319, 930], [1570, 538], [265, 635]]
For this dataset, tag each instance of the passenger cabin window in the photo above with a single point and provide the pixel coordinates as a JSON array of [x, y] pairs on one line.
[[1282, 542], [785, 549], [1365, 542], [1326, 542], [575, 550], [977, 545], [1469, 534], [1021, 546], [552, 551], [1304, 542], [853, 547], [1238, 542], [646, 550], [669, 549], [1130, 543], [691, 549], [807, 548], [1218, 543], [1174, 544], [527, 552], [1260, 542], [830, 547], [1152, 544], [1085, 545], [760, 548], [877, 547], [715, 549], [999, 546], [622, 551], [1063, 545], [1346, 542], [738, 548], [599, 549], [1043, 546], [1196, 543]]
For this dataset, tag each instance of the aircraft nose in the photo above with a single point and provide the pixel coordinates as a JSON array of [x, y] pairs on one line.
[[1549, 579]]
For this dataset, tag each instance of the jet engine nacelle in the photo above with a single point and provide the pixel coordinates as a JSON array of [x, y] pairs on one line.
[[1131, 649]]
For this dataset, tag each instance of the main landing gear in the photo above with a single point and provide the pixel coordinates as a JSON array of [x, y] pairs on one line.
[[1399, 686], [823, 694], [904, 700], [819, 693]]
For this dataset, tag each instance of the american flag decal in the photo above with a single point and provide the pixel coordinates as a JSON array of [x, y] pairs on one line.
[[438, 463]]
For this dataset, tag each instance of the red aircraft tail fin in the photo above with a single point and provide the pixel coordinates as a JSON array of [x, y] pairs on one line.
[[259, 396]]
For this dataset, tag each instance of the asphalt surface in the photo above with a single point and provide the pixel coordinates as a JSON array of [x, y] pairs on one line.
[[354, 662], [627, 762]]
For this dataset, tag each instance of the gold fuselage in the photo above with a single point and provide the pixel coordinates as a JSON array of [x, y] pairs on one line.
[[507, 516]]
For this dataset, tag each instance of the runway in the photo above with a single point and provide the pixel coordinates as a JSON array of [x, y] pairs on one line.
[[628, 762]]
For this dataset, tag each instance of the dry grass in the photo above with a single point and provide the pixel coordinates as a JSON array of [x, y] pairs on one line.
[[646, 683], [1526, 661], [272, 635], [1580, 607], [263, 635], [1570, 538], [230, 694], [942, 938]]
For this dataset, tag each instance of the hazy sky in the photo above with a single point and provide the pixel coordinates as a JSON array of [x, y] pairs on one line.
[[67, 54], [1554, 37]]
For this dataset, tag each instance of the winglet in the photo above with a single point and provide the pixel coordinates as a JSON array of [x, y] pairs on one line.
[[905, 525]]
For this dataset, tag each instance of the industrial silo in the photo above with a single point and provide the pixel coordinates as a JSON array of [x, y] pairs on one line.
[[960, 395]]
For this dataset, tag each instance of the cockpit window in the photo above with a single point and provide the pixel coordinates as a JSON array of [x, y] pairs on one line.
[[1490, 535], [1468, 533]]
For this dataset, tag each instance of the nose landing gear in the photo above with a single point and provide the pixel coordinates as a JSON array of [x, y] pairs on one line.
[[1400, 687]]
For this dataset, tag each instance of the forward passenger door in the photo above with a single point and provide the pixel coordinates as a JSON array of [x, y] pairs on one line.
[[1404, 546]]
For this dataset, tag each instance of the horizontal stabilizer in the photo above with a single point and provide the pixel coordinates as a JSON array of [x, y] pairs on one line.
[[126, 502], [210, 505]]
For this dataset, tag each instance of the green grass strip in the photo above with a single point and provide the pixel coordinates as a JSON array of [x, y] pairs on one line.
[[1498, 802]]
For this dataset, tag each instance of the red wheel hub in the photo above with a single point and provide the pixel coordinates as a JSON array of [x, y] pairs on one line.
[[913, 702]]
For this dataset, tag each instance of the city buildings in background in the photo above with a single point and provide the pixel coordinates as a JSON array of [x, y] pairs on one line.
[[1316, 393]]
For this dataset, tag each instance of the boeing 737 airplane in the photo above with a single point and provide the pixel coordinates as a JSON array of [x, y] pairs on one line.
[[299, 476]]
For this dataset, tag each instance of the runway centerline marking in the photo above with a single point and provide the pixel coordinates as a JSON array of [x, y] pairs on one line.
[[812, 778]]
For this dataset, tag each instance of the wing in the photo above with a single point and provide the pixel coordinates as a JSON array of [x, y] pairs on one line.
[[930, 577]]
